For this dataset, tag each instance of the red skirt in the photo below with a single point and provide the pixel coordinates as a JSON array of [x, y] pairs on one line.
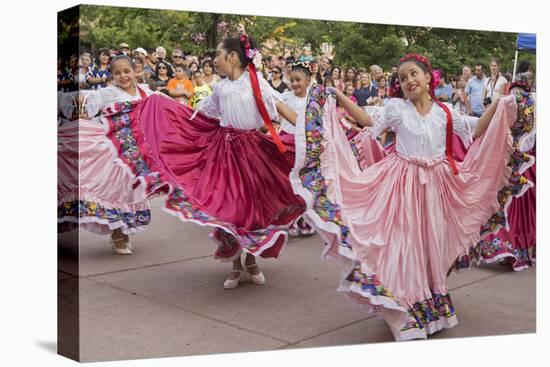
[[233, 180]]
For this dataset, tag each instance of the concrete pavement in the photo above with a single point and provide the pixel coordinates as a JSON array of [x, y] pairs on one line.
[[167, 299]]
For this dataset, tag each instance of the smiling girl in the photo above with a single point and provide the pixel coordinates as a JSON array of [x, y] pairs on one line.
[[402, 221], [217, 168], [103, 200]]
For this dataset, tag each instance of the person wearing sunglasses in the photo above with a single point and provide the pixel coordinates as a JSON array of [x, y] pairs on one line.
[[276, 82], [163, 74], [177, 58]]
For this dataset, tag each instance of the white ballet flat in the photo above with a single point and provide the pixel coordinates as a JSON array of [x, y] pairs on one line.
[[258, 279], [120, 251], [129, 243], [234, 283]]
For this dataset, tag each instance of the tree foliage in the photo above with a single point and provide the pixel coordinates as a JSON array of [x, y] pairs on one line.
[[355, 44]]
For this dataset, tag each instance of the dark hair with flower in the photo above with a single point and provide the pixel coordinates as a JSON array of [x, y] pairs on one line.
[[249, 51], [424, 64], [305, 67], [244, 47], [519, 84]]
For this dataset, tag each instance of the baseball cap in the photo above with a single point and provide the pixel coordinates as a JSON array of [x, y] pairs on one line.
[[161, 49], [142, 50], [123, 45]]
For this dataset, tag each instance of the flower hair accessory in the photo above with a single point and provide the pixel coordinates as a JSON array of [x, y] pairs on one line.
[[301, 64], [435, 74], [519, 84], [426, 64], [249, 52], [252, 54]]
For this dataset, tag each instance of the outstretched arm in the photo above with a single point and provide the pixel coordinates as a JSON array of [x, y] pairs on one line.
[[354, 110], [486, 118], [286, 112]]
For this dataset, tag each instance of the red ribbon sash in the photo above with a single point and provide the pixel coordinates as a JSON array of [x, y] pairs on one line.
[[449, 138], [262, 109]]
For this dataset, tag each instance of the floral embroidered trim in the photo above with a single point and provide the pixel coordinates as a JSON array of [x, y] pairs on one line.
[[83, 208], [420, 314], [310, 174], [490, 251], [429, 310], [523, 125], [120, 119]]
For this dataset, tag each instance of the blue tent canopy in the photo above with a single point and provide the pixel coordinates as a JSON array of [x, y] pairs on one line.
[[527, 41]]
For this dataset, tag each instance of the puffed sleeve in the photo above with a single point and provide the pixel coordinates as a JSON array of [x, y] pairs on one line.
[[387, 117], [463, 125], [144, 87], [98, 99], [270, 97]]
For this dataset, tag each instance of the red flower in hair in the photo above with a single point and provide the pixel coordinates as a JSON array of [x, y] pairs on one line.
[[248, 52], [519, 84]]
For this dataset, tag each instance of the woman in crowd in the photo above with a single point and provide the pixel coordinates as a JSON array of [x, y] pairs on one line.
[[163, 74], [276, 81], [209, 76], [99, 72]]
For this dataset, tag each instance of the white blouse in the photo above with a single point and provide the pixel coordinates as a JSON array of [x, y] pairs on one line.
[[233, 103], [98, 99], [296, 104], [420, 136]]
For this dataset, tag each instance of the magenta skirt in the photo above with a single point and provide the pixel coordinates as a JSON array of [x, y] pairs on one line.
[[235, 181], [518, 244]]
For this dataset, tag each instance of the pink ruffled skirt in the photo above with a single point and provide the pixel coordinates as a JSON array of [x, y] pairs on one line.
[[93, 191], [401, 222]]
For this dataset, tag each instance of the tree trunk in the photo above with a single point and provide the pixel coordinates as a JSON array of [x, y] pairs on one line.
[[211, 42]]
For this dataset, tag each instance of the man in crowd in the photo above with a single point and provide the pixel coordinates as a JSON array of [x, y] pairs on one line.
[[475, 92], [466, 72], [125, 49], [151, 62], [443, 91], [161, 54], [325, 67], [376, 72], [178, 58]]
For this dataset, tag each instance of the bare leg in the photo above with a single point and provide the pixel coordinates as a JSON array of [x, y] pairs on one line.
[[254, 274], [119, 244], [251, 264], [237, 269]]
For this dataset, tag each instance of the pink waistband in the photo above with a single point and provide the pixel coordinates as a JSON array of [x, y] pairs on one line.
[[422, 161]]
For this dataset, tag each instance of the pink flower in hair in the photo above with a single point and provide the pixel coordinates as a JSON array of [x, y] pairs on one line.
[[248, 51]]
